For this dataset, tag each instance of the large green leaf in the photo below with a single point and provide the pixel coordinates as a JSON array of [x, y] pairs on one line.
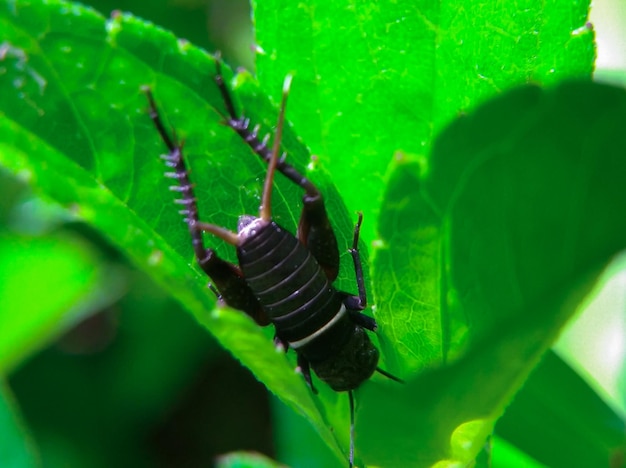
[[34, 312], [74, 122], [16, 447], [376, 77], [541, 418], [529, 193]]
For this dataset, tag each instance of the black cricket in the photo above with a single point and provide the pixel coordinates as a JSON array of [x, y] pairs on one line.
[[284, 279]]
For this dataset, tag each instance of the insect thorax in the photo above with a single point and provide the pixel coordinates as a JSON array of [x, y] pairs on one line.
[[249, 226]]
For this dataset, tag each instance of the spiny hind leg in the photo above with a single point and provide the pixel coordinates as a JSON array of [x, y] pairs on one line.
[[355, 304], [314, 228], [226, 277]]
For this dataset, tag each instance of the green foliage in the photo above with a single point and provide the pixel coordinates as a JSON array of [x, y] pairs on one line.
[[80, 284], [16, 449], [245, 460], [529, 193], [487, 233], [541, 418], [375, 78]]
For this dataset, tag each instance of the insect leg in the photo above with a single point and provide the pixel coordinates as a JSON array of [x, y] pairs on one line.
[[358, 267], [355, 304], [314, 229], [351, 455], [305, 368], [226, 277], [362, 320]]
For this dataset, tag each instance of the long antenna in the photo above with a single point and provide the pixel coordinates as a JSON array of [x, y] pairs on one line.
[[265, 211], [351, 457], [388, 375]]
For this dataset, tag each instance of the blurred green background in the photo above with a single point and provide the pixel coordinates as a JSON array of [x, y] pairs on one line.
[[103, 395]]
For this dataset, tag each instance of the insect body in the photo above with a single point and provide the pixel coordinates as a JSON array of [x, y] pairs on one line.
[[309, 314], [284, 279]]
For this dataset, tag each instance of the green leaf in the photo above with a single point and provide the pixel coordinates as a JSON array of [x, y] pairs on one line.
[[530, 195], [245, 460], [407, 274], [380, 78], [376, 77], [504, 454], [34, 312], [289, 432], [16, 447], [75, 124], [541, 418]]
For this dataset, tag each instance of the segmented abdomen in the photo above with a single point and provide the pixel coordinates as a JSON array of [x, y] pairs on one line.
[[289, 284]]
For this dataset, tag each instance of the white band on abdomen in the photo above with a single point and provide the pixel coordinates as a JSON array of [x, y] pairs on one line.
[[312, 336]]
